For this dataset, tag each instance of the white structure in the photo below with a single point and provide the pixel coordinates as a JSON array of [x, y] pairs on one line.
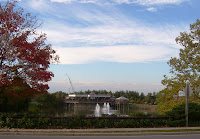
[[91, 96], [106, 108], [123, 99], [97, 111]]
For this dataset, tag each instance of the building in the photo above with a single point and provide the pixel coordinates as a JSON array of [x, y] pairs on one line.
[[92, 97]]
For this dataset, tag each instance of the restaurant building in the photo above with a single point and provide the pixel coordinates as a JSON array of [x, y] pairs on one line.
[[92, 97]]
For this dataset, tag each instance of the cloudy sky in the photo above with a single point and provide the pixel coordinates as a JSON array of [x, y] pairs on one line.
[[112, 44]]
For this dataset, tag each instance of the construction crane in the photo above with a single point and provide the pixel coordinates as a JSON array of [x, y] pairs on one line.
[[70, 82]]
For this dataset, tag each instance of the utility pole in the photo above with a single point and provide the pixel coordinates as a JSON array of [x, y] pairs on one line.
[[187, 104]]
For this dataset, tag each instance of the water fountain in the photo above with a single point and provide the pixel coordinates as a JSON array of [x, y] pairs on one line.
[[104, 109], [108, 108], [97, 111]]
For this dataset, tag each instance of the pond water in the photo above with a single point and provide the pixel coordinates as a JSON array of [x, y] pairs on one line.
[[98, 110]]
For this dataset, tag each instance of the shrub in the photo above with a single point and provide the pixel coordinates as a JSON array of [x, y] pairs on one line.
[[178, 113], [79, 122]]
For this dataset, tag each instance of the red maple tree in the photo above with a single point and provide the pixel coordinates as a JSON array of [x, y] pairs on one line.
[[23, 52]]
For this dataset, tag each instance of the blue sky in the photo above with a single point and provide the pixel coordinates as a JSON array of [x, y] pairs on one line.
[[112, 44]]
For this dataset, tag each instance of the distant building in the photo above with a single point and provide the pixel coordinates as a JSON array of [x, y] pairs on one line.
[[90, 97]]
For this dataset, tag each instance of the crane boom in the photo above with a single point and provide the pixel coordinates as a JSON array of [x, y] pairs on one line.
[[70, 82]]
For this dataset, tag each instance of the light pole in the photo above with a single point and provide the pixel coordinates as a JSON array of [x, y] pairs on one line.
[[187, 104]]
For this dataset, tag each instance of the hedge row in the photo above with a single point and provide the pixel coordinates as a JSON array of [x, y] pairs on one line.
[[80, 122]]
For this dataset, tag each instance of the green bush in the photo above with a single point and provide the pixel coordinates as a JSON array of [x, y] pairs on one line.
[[178, 113], [78, 122]]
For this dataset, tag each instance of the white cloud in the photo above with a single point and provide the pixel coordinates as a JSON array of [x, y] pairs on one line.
[[141, 2], [122, 54], [112, 33], [88, 1], [67, 1], [80, 1], [157, 2], [145, 44], [46, 5], [122, 1], [151, 9], [109, 37], [38, 5]]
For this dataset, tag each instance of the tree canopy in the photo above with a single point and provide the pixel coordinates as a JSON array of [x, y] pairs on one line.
[[23, 52], [184, 69]]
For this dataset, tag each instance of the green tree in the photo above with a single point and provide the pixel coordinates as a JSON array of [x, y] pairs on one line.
[[48, 103], [60, 94], [166, 100], [16, 96], [119, 94], [142, 97], [184, 69], [151, 98], [60, 97]]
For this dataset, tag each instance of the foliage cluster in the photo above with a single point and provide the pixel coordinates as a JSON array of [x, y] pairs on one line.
[[178, 112], [23, 52], [184, 69], [16, 96], [47, 104], [24, 58]]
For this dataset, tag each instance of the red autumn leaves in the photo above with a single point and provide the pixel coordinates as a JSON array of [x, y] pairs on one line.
[[23, 53]]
